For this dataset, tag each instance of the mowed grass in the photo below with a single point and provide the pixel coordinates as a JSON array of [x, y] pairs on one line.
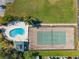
[[49, 11], [2, 20], [55, 53], [59, 53]]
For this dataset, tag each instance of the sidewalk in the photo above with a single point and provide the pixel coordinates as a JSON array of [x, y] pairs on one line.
[[61, 24]]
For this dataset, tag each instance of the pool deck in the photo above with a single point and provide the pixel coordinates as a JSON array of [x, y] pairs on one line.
[[23, 37]]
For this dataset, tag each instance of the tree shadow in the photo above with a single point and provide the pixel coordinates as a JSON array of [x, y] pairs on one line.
[[35, 22]]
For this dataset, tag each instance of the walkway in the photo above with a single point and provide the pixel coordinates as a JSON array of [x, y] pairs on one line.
[[74, 24]]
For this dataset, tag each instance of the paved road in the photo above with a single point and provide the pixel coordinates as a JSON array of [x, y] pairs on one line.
[[78, 16], [78, 4], [78, 22]]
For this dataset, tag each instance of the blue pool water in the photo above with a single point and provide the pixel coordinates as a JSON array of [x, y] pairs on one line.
[[16, 31]]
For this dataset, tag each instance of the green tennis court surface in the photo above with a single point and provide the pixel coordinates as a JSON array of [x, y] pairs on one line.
[[51, 37]]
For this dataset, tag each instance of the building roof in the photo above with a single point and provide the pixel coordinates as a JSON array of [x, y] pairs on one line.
[[21, 46]]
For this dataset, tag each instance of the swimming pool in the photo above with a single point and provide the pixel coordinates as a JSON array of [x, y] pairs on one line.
[[16, 31]]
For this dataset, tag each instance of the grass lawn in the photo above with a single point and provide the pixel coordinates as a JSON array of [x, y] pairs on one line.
[[60, 53], [1, 20], [57, 53], [49, 11]]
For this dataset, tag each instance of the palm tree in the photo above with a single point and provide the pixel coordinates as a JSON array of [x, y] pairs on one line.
[[1, 54], [32, 54], [35, 53], [27, 20], [35, 22]]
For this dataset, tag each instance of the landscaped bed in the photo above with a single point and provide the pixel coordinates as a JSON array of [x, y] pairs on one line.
[[49, 11]]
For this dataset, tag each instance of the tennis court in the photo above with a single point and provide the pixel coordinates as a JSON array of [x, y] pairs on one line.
[[51, 37]]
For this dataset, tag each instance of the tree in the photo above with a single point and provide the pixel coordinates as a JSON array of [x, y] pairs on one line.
[[3, 6], [27, 20], [35, 22], [1, 54], [8, 18], [32, 54], [35, 53]]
